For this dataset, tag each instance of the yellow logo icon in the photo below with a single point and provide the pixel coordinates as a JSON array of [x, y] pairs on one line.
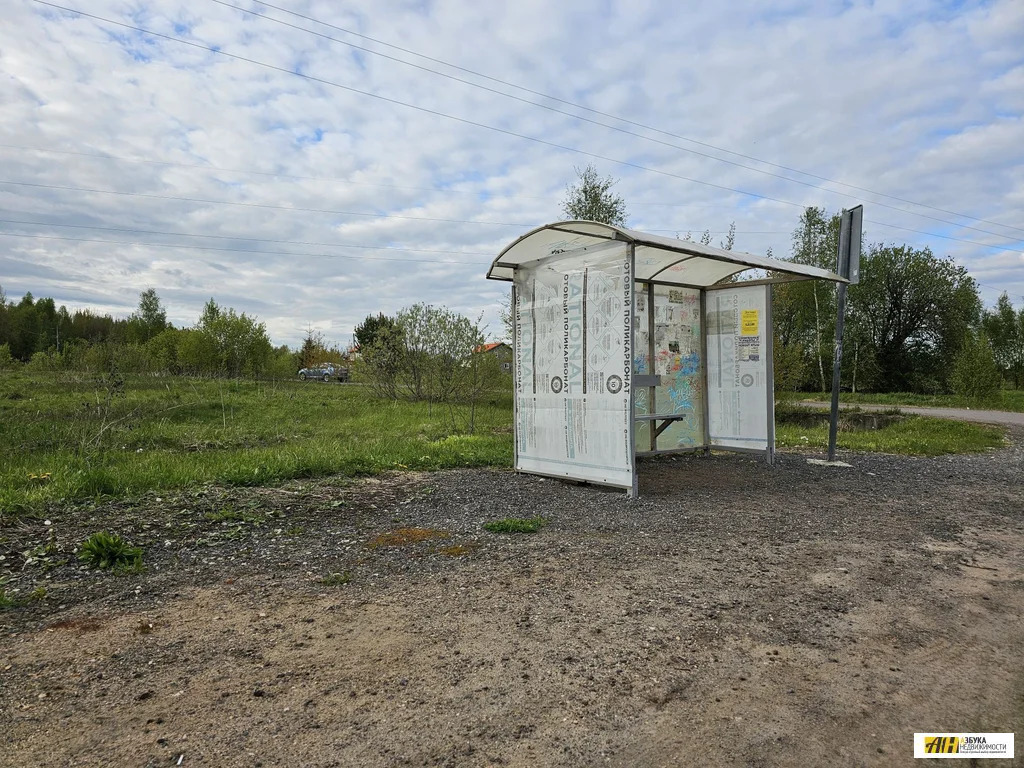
[[941, 745]]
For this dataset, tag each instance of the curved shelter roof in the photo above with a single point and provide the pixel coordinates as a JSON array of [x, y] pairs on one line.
[[658, 258]]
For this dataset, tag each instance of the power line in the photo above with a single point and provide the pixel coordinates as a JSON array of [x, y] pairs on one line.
[[416, 218], [335, 180], [341, 245], [235, 250], [234, 237], [272, 174], [608, 115], [425, 110], [450, 117], [254, 205], [944, 237]]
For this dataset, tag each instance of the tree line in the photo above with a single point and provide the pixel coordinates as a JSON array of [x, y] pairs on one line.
[[222, 342], [915, 323]]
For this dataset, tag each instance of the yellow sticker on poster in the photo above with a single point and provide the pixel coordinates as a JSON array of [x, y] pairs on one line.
[[748, 322]]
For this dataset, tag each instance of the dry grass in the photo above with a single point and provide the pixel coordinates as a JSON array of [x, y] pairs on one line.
[[401, 537], [458, 550]]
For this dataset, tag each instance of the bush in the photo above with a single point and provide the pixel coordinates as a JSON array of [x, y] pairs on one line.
[[44, 362], [6, 359], [108, 550], [975, 374]]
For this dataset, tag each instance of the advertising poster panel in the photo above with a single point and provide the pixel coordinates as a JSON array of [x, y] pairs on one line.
[[740, 400], [573, 373]]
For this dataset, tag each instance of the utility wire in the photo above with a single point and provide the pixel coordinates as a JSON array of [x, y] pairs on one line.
[[234, 237], [256, 205], [340, 245], [335, 180], [416, 218], [236, 250], [272, 174], [425, 110], [944, 237], [465, 121], [605, 114]]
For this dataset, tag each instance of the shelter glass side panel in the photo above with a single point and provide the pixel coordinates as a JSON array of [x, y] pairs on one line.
[[677, 360], [574, 366], [738, 375]]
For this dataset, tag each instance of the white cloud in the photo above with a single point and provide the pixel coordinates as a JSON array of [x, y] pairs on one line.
[[910, 99]]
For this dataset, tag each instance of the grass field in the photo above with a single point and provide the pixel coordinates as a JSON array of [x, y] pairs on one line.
[[70, 437], [1006, 400], [915, 435]]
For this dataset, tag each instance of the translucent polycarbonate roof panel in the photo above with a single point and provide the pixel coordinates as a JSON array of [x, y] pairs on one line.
[[658, 258]]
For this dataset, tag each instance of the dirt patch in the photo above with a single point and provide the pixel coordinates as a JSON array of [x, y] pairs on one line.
[[77, 626], [734, 615], [405, 536]]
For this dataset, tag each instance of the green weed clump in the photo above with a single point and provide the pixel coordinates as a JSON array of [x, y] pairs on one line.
[[108, 550], [516, 525]]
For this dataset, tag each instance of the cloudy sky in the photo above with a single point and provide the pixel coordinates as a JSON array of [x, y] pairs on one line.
[[233, 149]]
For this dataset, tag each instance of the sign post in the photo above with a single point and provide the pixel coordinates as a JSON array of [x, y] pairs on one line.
[[848, 266]]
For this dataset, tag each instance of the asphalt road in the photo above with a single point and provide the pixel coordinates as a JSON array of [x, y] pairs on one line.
[[961, 414]]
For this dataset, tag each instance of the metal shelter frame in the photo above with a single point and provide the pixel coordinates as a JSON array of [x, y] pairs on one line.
[[662, 261]]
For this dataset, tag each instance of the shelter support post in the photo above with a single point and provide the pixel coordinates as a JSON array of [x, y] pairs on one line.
[[652, 390], [769, 342], [704, 368], [634, 491]]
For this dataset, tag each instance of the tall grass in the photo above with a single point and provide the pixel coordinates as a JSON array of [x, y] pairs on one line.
[[1004, 400], [73, 436], [914, 435]]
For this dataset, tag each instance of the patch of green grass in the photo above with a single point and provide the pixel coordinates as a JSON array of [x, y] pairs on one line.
[[230, 515], [1004, 400], [914, 435], [165, 433], [108, 550], [6, 601], [516, 525], [336, 579]]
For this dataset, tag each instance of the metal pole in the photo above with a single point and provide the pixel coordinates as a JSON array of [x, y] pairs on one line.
[[842, 268], [833, 425]]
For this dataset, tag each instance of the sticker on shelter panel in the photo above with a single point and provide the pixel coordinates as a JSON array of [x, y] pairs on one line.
[[749, 322], [963, 745]]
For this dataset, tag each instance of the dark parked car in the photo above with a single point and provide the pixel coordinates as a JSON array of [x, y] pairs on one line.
[[324, 372]]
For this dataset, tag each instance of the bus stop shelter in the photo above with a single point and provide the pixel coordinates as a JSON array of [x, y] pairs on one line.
[[630, 344]]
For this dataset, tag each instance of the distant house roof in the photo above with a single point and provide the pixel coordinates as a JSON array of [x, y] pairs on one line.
[[490, 347]]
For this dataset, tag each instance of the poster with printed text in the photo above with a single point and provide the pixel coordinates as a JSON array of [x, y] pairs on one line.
[[739, 383], [573, 366]]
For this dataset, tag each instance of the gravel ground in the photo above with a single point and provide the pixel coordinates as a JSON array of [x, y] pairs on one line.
[[735, 615]]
